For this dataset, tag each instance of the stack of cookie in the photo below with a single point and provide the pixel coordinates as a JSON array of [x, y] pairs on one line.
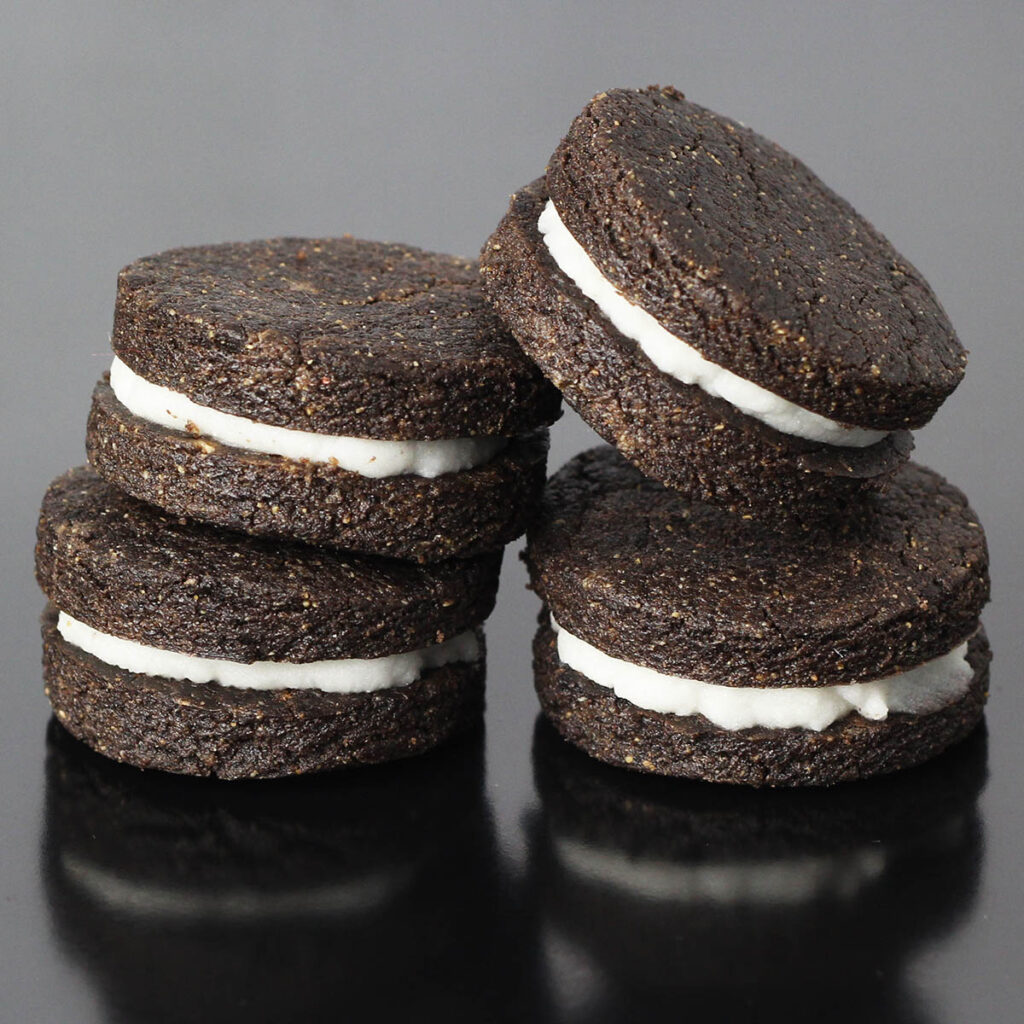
[[308, 455], [306, 460], [754, 585]]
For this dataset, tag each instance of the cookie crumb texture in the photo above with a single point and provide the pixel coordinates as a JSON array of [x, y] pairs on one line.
[[691, 590], [335, 336], [124, 568], [464, 513], [735, 245], [617, 732], [674, 432], [210, 730]]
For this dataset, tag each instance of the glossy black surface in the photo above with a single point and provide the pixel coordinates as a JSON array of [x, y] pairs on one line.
[[734, 903], [182, 899], [386, 891]]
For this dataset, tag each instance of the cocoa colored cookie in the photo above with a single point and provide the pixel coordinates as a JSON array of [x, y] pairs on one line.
[[723, 650], [714, 310], [618, 732], [343, 392], [194, 650]]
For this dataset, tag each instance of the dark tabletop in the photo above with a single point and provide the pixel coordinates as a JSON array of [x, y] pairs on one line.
[[506, 877]]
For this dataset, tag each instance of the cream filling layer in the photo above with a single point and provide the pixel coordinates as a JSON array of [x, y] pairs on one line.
[[345, 675], [919, 690], [368, 457], [675, 357]]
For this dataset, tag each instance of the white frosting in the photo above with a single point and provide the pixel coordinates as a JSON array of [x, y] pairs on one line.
[[346, 675], [781, 880], [675, 357], [918, 691], [367, 456]]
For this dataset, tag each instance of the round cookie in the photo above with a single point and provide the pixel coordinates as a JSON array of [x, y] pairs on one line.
[[732, 652], [709, 306], [338, 391], [197, 651]]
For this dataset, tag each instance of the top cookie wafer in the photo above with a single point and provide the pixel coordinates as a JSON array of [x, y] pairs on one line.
[[689, 590], [738, 247], [335, 336]]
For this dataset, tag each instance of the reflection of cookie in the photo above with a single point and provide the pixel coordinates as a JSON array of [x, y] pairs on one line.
[[669, 893], [187, 899], [341, 392], [192, 650], [715, 311], [692, 642]]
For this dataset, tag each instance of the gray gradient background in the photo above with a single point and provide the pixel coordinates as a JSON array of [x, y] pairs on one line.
[[128, 128]]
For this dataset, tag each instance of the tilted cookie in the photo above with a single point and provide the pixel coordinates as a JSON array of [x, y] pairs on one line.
[[716, 312]]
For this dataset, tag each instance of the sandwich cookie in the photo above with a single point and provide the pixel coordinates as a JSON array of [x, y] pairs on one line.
[[169, 644], [715, 311], [337, 391], [682, 640]]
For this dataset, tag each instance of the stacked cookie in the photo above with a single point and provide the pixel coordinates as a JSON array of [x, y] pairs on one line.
[[306, 459], [754, 585]]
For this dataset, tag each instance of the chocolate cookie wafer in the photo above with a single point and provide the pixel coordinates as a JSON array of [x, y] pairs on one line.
[[173, 645], [337, 391]]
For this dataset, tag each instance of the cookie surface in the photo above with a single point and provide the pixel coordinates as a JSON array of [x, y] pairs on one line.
[[674, 432], [335, 336], [190, 649], [618, 732], [124, 568], [408, 516], [691, 590], [343, 392], [736, 246]]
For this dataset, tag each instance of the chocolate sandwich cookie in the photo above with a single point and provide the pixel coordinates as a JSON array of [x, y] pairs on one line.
[[342, 392], [716, 312], [682, 640], [174, 645]]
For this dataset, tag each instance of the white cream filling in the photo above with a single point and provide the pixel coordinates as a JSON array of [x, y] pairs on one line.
[[366, 456], [344, 675], [917, 691], [675, 357]]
